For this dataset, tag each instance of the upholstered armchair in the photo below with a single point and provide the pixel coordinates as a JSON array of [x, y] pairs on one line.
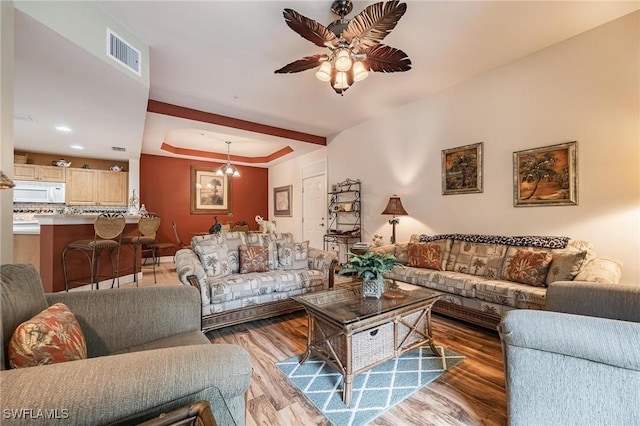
[[577, 363], [146, 356]]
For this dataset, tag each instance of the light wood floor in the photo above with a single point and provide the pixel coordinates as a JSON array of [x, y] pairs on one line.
[[472, 393]]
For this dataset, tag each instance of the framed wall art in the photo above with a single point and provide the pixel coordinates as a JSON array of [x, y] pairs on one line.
[[210, 193], [546, 176], [462, 169], [282, 201]]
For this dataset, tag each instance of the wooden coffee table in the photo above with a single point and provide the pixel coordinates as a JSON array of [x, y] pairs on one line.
[[353, 334]]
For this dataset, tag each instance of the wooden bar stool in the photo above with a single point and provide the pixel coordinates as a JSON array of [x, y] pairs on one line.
[[155, 247], [108, 229], [147, 227]]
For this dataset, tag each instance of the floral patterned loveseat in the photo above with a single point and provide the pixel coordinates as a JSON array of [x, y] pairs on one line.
[[247, 276], [484, 276]]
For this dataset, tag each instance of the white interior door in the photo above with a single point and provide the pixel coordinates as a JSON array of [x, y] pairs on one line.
[[314, 210]]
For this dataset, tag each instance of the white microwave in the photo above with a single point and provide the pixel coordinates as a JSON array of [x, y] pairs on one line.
[[38, 192]]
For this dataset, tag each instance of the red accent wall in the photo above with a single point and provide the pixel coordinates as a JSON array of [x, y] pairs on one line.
[[165, 190]]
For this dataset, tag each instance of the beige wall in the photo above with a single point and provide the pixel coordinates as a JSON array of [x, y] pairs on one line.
[[584, 89], [290, 173], [84, 23], [6, 128]]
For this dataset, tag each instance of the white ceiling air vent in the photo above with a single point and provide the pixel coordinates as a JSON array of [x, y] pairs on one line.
[[123, 52]]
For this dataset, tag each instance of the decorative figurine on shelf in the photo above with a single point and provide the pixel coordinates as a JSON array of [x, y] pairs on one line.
[[216, 227], [265, 225], [377, 240], [133, 203]]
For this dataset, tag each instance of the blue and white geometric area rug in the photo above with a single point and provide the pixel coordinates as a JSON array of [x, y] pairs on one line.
[[374, 391]]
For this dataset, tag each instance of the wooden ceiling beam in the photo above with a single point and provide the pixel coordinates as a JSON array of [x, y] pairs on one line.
[[221, 120]]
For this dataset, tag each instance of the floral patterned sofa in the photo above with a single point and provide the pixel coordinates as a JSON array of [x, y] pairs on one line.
[[484, 276], [247, 276]]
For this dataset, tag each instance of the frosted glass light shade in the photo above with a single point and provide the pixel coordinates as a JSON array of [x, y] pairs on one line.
[[324, 73], [343, 60], [341, 81], [359, 71]]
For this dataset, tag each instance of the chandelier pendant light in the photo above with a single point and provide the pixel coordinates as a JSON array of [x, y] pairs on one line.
[[354, 44], [228, 169]]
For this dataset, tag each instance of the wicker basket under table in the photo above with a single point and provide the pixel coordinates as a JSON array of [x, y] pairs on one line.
[[353, 334]]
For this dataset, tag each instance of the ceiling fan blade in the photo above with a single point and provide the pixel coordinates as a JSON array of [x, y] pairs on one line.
[[306, 63], [374, 23], [382, 58], [309, 29]]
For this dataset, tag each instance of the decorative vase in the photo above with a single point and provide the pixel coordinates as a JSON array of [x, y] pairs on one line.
[[373, 287]]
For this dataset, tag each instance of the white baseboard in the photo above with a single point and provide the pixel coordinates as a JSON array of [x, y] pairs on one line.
[[105, 284]]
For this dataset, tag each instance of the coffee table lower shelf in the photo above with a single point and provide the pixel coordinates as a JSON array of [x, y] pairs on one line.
[[359, 346]]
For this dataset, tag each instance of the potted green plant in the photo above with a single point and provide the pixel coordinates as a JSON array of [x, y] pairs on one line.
[[370, 266]]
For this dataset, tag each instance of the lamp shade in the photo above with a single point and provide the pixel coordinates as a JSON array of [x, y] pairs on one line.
[[394, 207]]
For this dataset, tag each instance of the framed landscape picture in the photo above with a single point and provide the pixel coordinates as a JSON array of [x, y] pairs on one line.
[[210, 193], [462, 169], [282, 201], [546, 176]]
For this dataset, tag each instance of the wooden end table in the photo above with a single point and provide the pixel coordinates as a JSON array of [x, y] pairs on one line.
[[353, 334]]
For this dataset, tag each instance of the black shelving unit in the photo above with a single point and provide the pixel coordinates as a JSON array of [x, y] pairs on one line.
[[345, 219]]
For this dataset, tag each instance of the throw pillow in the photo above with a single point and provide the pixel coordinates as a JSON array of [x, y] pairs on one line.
[[52, 336], [604, 269], [270, 241], [293, 255], [511, 251], [480, 259], [424, 256], [565, 265], [253, 259], [233, 240], [528, 267], [214, 259], [401, 252]]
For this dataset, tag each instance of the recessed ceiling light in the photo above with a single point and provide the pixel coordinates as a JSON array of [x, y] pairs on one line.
[[76, 146], [65, 129]]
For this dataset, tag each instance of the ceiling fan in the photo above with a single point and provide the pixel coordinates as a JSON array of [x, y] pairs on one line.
[[354, 44]]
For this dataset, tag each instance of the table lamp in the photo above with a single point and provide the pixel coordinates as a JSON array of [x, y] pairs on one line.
[[394, 207]]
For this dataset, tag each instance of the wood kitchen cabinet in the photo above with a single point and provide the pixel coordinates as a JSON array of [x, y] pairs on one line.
[[39, 173], [112, 188], [96, 187]]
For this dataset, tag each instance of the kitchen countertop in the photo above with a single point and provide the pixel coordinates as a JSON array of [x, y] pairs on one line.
[[76, 219], [32, 226], [26, 228]]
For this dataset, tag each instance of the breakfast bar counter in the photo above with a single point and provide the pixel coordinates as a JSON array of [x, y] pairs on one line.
[[56, 231]]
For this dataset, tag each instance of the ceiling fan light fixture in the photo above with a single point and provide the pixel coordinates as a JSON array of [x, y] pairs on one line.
[[343, 60], [359, 71], [324, 73], [354, 43]]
